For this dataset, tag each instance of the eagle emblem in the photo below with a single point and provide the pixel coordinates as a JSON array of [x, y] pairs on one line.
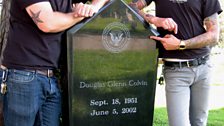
[[115, 37]]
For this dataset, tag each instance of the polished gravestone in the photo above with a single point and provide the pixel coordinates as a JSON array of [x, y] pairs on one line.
[[112, 67]]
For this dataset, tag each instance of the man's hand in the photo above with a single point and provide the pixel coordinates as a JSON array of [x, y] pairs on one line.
[[138, 4], [166, 23], [169, 42], [84, 10]]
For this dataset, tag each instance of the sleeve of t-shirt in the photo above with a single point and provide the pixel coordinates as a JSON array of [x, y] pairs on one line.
[[25, 3], [210, 7], [148, 1]]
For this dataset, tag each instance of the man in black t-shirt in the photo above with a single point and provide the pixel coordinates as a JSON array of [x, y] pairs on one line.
[[30, 88], [188, 29]]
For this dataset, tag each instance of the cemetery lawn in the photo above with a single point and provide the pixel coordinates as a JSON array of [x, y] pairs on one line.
[[215, 117]]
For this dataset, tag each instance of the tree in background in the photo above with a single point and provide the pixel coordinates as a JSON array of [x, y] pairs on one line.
[[221, 43], [4, 26], [4, 23]]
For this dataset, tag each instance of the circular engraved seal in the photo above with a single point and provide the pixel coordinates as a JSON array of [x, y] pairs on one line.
[[115, 37]]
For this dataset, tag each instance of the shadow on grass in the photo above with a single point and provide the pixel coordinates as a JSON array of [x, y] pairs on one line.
[[215, 117]]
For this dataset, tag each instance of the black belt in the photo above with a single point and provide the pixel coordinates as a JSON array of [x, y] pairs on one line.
[[193, 62]]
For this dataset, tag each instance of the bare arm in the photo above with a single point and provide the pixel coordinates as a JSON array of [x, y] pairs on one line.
[[210, 38], [99, 3], [51, 21], [90, 9], [138, 4]]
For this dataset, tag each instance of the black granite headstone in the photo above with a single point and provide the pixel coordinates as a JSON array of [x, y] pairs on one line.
[[112, 67]]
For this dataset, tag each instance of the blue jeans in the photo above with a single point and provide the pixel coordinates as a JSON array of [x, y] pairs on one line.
[[1, 75], [187, 94], [31, 100]]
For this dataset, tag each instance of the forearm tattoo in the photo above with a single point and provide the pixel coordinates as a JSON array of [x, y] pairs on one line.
[[210, 38], [35, 17]]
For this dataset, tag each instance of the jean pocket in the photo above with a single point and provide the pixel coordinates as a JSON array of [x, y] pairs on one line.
[[20, 76]]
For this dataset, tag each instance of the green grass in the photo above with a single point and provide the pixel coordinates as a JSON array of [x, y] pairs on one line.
[[216, 117], [160, 117], [102, 65]]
